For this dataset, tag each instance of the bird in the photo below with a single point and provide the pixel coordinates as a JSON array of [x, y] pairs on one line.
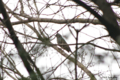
[[62, 43]]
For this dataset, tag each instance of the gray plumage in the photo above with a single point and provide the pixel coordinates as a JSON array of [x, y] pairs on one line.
[[61, 41]]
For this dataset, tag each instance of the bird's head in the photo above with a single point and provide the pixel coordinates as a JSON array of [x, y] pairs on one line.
[[58, 35]]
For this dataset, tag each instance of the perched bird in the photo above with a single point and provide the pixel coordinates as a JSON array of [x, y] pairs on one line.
[[62, 43]]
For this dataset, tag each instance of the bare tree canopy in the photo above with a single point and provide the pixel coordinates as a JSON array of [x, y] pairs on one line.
[[59, 40]]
